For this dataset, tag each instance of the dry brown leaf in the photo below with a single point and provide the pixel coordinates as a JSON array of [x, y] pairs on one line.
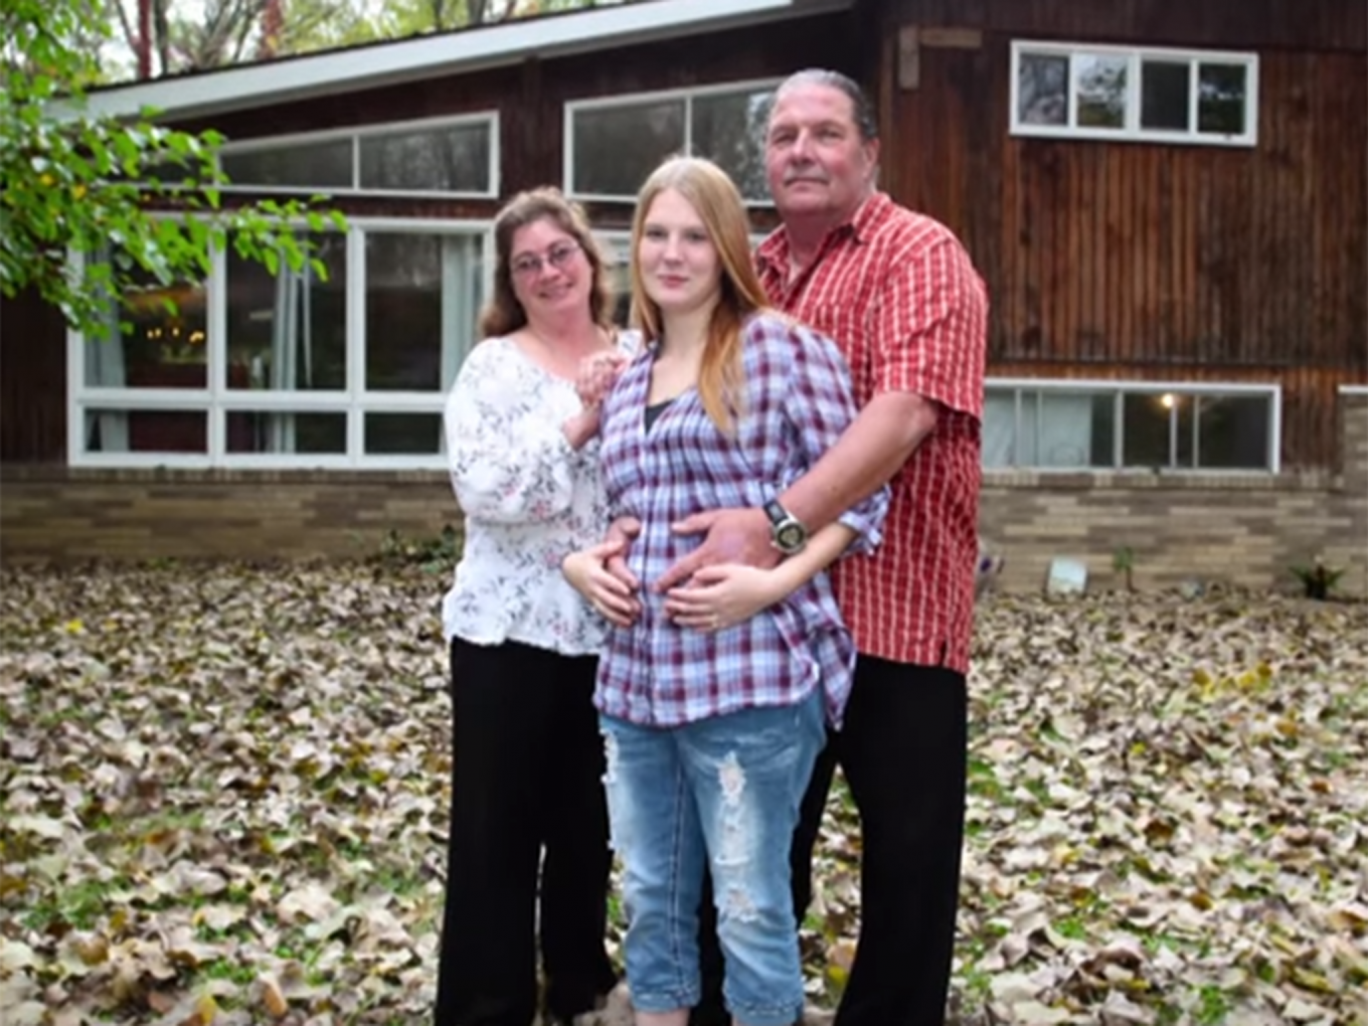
[[272, 999], [1166, 806]]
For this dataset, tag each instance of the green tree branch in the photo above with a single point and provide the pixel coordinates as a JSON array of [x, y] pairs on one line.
[[89, 199]]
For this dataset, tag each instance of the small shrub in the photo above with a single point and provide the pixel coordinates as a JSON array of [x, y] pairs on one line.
[[1318, 580], [1123, 562], [436, 554]]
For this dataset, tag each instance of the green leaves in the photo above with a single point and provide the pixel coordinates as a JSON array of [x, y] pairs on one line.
[[76, 182]]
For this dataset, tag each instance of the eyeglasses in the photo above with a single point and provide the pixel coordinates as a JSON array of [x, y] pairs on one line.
[[530, 265]]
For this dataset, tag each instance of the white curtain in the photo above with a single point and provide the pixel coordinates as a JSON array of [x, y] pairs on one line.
[[105, 368], [999, 428], [1064, 437], [460, 298], [461, 287], [291, 350], [1055, 430]]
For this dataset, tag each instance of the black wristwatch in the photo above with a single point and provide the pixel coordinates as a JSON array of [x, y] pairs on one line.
[[786, 531]]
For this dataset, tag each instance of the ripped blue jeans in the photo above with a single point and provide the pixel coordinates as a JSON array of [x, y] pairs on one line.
[[725, 789]]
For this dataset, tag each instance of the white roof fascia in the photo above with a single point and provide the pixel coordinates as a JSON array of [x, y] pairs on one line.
[[271, 82]]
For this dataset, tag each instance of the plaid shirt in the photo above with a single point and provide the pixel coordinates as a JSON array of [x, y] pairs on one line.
[[899, 295], [795, 404]]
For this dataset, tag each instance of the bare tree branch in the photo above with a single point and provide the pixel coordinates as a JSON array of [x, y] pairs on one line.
[[161, 33], [130, 37]]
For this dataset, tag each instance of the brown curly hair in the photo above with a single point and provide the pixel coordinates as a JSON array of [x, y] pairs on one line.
[[503, 313]]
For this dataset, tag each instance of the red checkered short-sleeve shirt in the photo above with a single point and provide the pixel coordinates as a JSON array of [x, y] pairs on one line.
[[899, 295]]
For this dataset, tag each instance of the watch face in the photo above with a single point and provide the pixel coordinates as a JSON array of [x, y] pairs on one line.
[[790, 536]]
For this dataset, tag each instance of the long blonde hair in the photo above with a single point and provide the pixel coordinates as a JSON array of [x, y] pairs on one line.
[[713, 195], [503, 313]]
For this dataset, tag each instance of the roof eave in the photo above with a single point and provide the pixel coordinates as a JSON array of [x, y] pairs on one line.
[[243, 87]]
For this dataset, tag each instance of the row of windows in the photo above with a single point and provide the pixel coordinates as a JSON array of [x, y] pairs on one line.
[[1152, 95], [611, 145], [1069, 425], [257, 369]]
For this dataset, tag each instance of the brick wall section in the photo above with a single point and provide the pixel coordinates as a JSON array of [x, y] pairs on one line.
[[57, 513], [1243, 529], [1246, 530]]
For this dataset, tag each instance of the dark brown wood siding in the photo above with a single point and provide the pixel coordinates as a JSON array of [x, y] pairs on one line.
[[33, 387], [1219, 24], [1153, 261]]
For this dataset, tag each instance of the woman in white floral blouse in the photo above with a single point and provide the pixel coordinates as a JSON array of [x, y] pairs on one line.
[[526, 748]]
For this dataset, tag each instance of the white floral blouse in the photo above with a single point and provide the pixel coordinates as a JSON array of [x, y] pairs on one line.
[[529, 498]]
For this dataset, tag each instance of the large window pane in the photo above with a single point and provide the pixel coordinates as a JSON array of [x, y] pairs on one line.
[[1146, 430], [1233, 431], [1043, 90], [616, 148], [423, 296], [1066, 430], [729, 129], [999, 428], [450, 159], [1221, 97], [164, 349], [303, 165], [403, 434], [288, 331], [1055, 430], [168, 431], [272, 431], [1101, 90], [1164, 90]]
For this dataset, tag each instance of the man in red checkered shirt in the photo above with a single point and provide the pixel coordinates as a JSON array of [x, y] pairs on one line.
[[899, 295]]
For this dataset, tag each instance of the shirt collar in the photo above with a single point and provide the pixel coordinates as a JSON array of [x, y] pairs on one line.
[[773, 253]]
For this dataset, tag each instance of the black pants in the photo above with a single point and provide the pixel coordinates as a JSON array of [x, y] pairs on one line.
[[527, 767], [903, 749]]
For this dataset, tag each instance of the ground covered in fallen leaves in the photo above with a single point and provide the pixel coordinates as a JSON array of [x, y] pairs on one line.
[[223, 799]]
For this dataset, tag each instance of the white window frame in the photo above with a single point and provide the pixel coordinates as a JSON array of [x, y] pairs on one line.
[[1133, 132], [627, 100], [216, 400], [1118, 388], [356, 135]]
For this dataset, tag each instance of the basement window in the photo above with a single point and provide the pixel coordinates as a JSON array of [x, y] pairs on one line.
[[1080, 91], [1128, 425]]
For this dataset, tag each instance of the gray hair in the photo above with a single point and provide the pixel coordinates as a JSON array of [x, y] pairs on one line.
[[860, 107]]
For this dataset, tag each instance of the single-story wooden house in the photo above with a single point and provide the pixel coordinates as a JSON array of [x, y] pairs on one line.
[[1168, 201]]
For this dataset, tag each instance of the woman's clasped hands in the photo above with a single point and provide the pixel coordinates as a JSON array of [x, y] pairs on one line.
[[713, 599]]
